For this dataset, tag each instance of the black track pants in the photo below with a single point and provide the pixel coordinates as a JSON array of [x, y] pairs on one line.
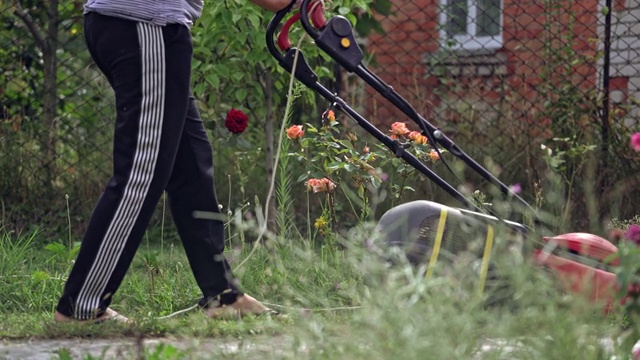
[[160, 144]]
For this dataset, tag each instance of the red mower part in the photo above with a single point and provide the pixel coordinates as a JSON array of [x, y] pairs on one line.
[[582, 263], [317, 18]]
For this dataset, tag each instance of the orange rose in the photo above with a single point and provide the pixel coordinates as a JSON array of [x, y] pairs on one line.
[[420, 139], [295, 132], [413, 135], [434, 156], [329, 115]]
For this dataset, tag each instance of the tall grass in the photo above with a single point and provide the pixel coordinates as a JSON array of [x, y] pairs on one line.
[[341, 304], [27, 278]]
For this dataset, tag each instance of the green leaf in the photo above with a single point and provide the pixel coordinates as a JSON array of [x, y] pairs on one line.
[[64, 354], [241, 95], [352, 18], [238, 76], [382, 7], [336, 165], [254, 20], [56, 248], [213, 80], [346, 143]]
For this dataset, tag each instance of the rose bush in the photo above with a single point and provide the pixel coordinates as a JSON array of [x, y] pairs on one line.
[[338, 160]]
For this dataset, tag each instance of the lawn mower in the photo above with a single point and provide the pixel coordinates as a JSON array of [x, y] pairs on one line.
[[430, 233]]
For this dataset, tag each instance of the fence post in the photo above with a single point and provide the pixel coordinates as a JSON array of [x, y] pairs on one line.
[[606, 78]]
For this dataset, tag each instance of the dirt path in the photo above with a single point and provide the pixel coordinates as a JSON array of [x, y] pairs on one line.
[[255, 348], [252, 348]]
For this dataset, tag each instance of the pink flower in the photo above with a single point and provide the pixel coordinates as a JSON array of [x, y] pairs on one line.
[[320, 185], [516, 188], [633, 234], [295, 132], [635, 141], [399, 129]]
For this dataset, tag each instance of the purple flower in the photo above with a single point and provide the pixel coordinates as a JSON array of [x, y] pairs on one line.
[[516, 188], [633, 234]]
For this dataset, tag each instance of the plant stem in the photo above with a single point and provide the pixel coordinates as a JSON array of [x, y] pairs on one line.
[[164, 210], [66, 197], [332, 212]]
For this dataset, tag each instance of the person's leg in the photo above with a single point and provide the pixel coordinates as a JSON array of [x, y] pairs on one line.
[[191, 189], [149, 69]]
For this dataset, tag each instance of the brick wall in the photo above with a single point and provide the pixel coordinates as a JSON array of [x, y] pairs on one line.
[[399, 54], [507, 82]]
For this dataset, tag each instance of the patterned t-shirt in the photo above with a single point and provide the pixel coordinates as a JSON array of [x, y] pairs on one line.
[[157, 12]]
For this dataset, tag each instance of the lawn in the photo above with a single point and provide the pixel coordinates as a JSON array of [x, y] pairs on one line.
[[334, 303]]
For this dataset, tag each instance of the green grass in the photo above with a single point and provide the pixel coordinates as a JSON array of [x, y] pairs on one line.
[[335, 304]]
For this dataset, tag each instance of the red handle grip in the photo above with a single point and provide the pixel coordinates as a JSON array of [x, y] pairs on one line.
[[317, 17]]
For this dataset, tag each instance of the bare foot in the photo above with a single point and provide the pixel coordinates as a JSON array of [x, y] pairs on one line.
[[245, 305], [109, 315]]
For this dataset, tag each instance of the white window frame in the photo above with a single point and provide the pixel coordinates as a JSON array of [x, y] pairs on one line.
[[469, 41]]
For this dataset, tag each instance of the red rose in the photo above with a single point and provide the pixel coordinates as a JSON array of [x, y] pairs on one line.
[[236, 121]]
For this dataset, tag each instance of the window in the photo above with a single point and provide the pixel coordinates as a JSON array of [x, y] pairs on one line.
[[473, 25]]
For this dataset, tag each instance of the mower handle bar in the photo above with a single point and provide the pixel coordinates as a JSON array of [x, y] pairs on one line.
[[305, 74], [352, 62]]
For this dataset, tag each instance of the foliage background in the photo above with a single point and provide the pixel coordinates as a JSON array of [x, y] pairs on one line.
[[56, 122]]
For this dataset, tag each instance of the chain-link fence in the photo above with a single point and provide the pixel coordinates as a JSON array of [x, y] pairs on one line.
[[504, 78], [55, 119], [501, 77]]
